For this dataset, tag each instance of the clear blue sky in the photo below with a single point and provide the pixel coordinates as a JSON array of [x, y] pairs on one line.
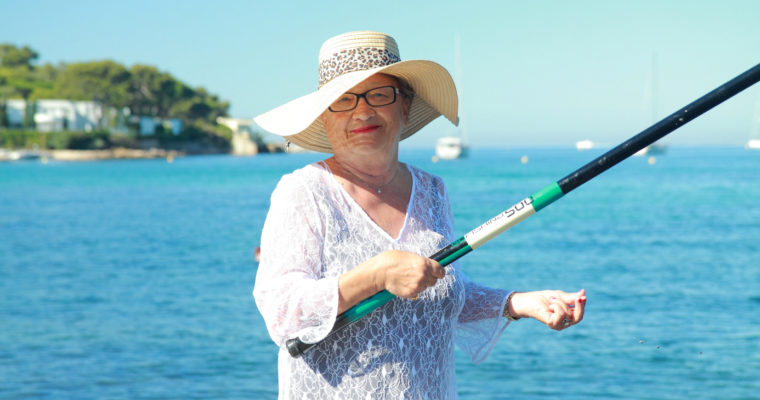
[[533, 73]]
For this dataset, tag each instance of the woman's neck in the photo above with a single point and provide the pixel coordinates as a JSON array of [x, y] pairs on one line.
[[376, 177], [372, 173]]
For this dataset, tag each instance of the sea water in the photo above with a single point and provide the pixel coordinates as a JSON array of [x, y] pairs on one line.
[[132, 279]]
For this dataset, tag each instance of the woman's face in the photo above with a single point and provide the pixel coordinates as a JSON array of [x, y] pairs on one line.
[[367, 130]]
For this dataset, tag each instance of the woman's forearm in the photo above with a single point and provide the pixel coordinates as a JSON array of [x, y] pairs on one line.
[[358, 284]]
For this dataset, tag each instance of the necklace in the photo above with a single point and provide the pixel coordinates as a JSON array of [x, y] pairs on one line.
[[379, 189]]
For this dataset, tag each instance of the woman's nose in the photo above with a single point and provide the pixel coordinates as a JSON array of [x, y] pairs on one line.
[[363, 109]]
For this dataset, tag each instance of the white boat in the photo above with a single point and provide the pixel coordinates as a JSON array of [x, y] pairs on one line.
[[451, 148], [19, 155], [584, 145], [753, 144]]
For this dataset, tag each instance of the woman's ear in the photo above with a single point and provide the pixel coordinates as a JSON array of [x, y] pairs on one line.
[[407, 107]]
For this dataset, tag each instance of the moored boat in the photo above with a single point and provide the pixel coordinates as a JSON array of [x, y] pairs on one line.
[[451, 147], [19, 155]]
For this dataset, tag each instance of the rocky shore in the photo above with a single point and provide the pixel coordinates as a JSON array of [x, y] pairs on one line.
[[110, 154]]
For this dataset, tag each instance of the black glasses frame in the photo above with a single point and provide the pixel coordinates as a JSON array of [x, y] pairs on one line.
[[366, 100]]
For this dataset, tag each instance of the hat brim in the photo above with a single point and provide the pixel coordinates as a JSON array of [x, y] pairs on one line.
[[298, 120]]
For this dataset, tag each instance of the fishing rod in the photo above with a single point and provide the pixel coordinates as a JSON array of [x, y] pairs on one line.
[[549, 194]]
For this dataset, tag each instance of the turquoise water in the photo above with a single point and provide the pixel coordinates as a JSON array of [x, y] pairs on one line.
[[132, 279]]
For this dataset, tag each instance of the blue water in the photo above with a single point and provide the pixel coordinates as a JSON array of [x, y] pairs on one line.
[[132, 279]]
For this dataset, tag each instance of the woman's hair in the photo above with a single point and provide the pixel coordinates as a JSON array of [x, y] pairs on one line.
[[405, 88]]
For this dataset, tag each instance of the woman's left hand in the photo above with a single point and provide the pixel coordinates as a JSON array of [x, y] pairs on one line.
[[555, 308]]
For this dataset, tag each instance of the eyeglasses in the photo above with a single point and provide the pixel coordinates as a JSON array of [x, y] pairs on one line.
[[377, 97]]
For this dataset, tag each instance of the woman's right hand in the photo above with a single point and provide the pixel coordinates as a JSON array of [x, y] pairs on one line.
[[406, 274], [554, 308], [402, 273]]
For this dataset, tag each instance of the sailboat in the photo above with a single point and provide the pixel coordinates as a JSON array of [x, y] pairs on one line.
[[656, 147], [754, 138], [455, 145]]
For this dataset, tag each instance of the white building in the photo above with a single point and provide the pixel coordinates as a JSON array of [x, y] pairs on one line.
[[57, 115], [67, 115]]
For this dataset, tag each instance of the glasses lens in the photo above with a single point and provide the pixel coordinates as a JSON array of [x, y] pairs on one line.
[[376, 97], [381, 96], [346, 102]]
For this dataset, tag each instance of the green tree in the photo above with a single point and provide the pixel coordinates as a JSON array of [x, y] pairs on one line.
[[159, 94], [199, 106], [105, 82], [3, 114], [18, 76], [12, 56], [151, 92]]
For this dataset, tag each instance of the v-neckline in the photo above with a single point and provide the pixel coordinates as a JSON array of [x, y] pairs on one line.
[[353, 202]]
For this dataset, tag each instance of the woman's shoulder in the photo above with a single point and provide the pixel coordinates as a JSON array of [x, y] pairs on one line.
[[426, 179], [308, 175], [306, 179]]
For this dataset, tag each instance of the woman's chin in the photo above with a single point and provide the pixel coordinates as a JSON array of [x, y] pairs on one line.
[[368, 146]]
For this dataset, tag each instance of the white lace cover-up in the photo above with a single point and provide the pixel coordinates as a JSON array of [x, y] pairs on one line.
[[314, 232]]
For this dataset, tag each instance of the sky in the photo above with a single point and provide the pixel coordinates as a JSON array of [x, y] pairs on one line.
[[540, 73]]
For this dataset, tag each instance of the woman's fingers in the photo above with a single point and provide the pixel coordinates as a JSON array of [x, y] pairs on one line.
[[568, 309], [408, 274], [560, 318], [430, 272], [580, 307], [438, 271]]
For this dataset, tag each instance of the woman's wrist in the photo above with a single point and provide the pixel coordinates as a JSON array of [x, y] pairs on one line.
[[509, 311], [378, 269]]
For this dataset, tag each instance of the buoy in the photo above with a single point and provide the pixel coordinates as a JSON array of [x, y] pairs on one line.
[[652, 160], [524, 159], [434, 159]]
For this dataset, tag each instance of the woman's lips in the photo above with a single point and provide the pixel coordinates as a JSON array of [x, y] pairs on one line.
[[365, 129]]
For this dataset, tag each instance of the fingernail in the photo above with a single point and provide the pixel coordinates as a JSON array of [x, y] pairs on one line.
[[582, 300]]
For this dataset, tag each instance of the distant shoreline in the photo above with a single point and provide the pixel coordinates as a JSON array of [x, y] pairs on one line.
[[116, 153]]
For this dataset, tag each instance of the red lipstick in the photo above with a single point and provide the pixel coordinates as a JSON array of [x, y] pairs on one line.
[[365, 129]]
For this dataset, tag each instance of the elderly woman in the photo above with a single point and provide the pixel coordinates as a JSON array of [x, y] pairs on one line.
[[343, 229]]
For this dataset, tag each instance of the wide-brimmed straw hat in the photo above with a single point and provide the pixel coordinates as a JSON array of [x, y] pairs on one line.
[[345, 61]]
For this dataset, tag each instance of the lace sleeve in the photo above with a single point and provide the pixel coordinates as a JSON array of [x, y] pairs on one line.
[[480, 322], [291, 292]]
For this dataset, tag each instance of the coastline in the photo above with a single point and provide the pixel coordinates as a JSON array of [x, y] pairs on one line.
[[118, 153]]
